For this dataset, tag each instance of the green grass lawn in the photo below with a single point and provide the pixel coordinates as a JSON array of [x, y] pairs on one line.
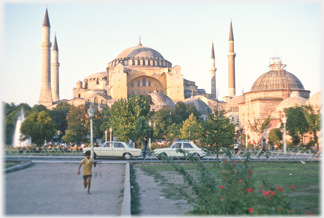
[[305, 178]]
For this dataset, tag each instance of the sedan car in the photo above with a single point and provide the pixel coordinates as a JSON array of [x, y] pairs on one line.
[[188, 146], [114, 149]]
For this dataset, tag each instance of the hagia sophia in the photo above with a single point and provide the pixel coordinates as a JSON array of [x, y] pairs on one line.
[[143, 70]]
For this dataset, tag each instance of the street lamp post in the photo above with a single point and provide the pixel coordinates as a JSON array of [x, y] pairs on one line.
[[189, 135], [106, 135], [150, 135], [110, 130], [284, 120], [91, 113]]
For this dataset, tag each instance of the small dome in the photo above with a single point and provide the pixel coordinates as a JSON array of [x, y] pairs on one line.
[[232, 105], [315, 100], [201, 106], [139, 51], [160, 101], [292, 101]]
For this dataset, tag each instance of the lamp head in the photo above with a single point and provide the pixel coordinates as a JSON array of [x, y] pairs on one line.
[[91, 111], [284, 119]]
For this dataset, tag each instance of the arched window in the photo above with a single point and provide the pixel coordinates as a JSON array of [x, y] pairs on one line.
[[95, 102], [144, 92], [79, 95], [97, 82], [138, 91], [132, 84], [161, 91], [132, 91], [149, 83], [144, 82], [138, 83], [102, 103], [150, 91]]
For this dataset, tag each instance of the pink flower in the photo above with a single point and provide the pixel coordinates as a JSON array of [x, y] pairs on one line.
[[292, 187], [242, 161], [280, 189], [223, 171], [249, 190], [240, 180], [255, 191], [271, 192], [225, 161], [222, 199], [265, 193], [251, 210], [234, 171], [221, 187], [235, 161], [306, 212], [261, 186], [279, 209]]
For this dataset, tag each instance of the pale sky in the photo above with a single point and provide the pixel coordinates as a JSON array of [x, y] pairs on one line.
[[90, 35]]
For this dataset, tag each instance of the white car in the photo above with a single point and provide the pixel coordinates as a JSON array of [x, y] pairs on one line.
[[188, 146], [115, 149]]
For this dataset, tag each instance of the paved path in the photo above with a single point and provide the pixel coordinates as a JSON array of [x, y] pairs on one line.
[[56, 189]]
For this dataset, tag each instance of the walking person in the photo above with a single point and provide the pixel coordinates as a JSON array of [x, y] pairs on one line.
[[87, 167], [263, 147], [236, 148], [145, 146], [130, 142]]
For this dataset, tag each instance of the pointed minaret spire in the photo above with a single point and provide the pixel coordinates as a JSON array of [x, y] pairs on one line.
[[231, 64], [55, 47], [46, 19], [139, 43], [213, 73], [231, 35]]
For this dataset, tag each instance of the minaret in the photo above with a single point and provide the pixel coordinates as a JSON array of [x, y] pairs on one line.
[[231, 64], [45, 97], [213, 73], [55, 72]]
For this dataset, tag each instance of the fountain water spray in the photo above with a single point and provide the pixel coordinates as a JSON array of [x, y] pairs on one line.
[[16, 142]]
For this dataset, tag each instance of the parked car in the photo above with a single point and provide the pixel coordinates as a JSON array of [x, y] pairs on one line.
[[114, 149], [188, 146]]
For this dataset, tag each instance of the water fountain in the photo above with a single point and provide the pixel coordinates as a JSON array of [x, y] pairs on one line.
[[16, 142]]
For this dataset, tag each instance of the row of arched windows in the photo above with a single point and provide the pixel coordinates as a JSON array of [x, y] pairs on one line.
[[144, 92], [142, 83], [95, 103]]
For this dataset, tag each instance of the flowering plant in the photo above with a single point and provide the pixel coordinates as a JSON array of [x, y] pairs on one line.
[[232, 191]]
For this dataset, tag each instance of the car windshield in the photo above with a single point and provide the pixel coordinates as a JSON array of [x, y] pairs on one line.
[[176, 145]]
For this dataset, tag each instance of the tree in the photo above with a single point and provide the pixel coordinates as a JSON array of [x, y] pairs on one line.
[[296, 125], [218, 131], [260, 125], [190, 125], [59, 114], [313, 119], [79, 124], [39, 126], [173, 132], [275, 135], [142, 128], [124, 113]]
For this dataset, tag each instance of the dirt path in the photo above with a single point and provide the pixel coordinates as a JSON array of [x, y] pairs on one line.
[[56, 189], [153, 198]]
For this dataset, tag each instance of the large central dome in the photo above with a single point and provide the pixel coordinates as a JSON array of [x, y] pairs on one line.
[[139, 52], [140, 56]]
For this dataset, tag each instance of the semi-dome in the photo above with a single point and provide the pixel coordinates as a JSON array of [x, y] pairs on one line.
[[232, 105], [292, 101], [315, 100], [160, 101], [201, 106], [277, 79]]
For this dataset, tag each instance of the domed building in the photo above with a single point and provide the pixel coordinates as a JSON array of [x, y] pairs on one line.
[[268, 92], [315, 101], [201, 106]]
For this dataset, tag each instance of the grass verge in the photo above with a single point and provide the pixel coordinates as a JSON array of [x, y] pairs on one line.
[[135, 192]]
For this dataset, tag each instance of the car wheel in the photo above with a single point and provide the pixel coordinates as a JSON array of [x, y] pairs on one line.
[[127, 156], [195, 155]]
